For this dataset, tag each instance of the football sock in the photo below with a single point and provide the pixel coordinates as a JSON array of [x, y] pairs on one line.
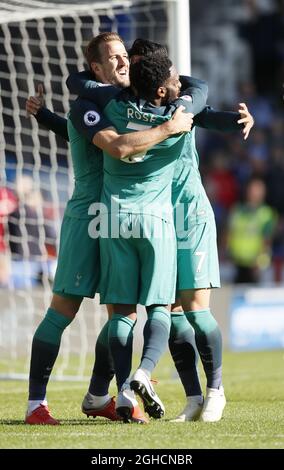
[[120, 343], [156, 335], [34, 404], [103, 370], [98, 401], [45, 347], [208, 340], [184, 353]]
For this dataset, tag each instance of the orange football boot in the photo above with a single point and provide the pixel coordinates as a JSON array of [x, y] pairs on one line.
[[107, 411], [41, 415]]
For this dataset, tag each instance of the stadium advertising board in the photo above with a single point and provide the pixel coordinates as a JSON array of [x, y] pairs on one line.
[[257, 319]]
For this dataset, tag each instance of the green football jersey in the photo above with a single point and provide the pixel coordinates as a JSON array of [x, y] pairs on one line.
[[141, 183], [186, 178], [187, 185], [87, 164]]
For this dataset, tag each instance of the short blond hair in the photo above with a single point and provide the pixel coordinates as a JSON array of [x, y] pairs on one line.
[[93, 52]]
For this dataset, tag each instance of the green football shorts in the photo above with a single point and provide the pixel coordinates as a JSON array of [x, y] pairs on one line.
[[138, 266], [78, 265], [197, 255]]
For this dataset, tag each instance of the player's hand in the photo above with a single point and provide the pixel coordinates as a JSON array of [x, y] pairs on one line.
[[182, 122], [246, 119], [35, 103]]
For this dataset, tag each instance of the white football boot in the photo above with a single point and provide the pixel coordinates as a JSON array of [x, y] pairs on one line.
[[127, 406], [214, 404], [192, 410], [141, 384]]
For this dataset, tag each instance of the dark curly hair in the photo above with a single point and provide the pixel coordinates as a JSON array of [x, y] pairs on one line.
[[144, 47], [147, 75]]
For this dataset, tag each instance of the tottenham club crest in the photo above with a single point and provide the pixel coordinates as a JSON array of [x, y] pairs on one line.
[[91, 118]]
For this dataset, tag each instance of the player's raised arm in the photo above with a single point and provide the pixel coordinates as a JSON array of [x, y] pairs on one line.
[[36, 102], [246, 119], [45, 117], [125, 145], [87, 118], [83, 84], [80, 82], [197, 90], [225, 121]]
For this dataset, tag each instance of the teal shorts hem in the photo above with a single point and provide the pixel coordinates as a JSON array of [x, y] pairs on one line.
[[68, 292], [145, 303], [199, 286]]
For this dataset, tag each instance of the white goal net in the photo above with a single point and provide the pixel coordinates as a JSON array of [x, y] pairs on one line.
[[42, 42]]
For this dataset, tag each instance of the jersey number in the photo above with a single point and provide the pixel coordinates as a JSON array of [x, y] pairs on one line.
[[138, 157], [202, 257]]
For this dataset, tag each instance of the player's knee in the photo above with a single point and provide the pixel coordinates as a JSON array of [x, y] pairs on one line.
[[195, 299], [176, 307], [67, 306], [149, 308], [109, 308], [128, 310]]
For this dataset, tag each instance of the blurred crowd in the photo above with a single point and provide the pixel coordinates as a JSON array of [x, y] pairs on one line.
[[27, 235], [245, 180]]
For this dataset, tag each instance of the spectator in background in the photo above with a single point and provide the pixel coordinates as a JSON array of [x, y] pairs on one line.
[[221, 186], [250, 232], [32, 235], [8, 203]]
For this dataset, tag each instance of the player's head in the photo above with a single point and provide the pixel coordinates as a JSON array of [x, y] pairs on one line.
[[108, 59], [145, 48], [155, 78], [255, 192]]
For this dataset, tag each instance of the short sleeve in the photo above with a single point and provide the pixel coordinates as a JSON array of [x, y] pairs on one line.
[[87, 118]]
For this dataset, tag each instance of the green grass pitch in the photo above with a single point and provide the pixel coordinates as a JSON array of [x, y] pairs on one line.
[[253, 417]]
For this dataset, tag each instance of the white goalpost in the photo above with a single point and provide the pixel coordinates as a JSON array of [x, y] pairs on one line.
[[42, 42], [179, 35]]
